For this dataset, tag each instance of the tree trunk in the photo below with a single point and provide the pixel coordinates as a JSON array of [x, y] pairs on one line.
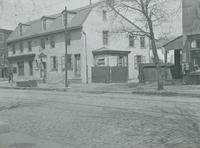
[[156, 58]]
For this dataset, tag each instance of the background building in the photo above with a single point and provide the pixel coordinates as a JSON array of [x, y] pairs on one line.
[[3, 53]]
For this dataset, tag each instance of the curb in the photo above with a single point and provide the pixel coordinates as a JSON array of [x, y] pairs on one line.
[[107, 92], [34, 88], [65, 90], [166, 94]]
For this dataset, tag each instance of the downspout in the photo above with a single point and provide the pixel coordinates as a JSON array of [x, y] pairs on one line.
[[86, 55]]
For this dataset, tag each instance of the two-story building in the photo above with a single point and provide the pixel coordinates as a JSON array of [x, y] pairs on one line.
[[187, 46], [4, 33], [36, 49]]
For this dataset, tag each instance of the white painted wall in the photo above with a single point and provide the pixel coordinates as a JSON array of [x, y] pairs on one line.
[[94, 26], [76, 47]]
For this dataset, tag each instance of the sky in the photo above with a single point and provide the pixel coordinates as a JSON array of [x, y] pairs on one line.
[[12, 12]]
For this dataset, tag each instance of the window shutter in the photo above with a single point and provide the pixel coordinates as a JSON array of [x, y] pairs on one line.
[[63, 63], [143, 59], [135, 62], [51, 63], [56, 58]]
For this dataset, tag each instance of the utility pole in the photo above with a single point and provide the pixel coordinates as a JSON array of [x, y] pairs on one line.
[[66, 42]]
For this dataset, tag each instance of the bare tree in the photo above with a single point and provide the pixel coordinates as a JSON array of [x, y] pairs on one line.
[[142, 17]]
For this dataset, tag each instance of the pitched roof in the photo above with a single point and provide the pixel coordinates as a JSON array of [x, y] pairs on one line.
[[174, 44], [35, 27]]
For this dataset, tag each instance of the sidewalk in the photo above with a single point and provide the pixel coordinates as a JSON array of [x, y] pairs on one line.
[[124, 88], [74, 87], [169, 90]]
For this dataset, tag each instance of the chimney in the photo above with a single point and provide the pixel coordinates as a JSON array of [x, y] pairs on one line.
[[90, 2]]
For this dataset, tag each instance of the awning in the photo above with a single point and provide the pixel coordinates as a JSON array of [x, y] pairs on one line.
[[175, 44], [105, 50], [20, 58]]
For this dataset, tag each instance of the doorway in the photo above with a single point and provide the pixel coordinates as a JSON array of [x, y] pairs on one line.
[[77, 65]]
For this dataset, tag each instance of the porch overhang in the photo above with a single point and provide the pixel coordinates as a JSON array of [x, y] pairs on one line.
[[104, 50], [20, 58], [175, 44]]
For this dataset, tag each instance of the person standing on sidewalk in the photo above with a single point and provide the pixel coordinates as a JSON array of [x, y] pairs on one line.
[[10, 77]]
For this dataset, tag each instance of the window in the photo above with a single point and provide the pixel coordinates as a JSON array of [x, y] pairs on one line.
[[104, 15], [13, 48], [44, 24], [63, 63], [20, 68], [105, 37], [21, 47], [20, 30], [42, 43], [30, 67], [54, 63], [122, 61], [195, 44], [52, 42], [131, 41], [142, 42], [101, 62], [138, 59], [29, 45], [69, 62]]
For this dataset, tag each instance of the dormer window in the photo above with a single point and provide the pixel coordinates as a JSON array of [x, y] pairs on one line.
[[70, 15], [46, 22], [22, 28]]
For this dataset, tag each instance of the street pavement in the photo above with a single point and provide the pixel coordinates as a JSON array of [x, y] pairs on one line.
[[103, 120]]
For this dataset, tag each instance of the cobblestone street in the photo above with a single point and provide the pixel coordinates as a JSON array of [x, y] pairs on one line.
[[84, 120]]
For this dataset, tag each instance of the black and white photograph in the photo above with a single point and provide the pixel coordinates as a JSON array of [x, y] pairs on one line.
[[99, 73]]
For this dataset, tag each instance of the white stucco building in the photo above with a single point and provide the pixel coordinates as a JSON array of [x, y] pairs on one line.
[[36, 49]]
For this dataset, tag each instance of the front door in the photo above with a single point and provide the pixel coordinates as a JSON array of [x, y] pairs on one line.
[[78, 65]]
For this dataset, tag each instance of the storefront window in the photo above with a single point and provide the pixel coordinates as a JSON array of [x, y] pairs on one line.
[[195, 59], [195, 44]]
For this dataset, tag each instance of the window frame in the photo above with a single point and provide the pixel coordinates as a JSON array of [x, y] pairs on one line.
[[30, 63], [21, 47], [136, 63], [13, 48], [43, 43], [100, 61], [20, 66], [131, 40], [52, 41], [54, 63], [142, 42], [105, 37], [29, 45], [104, 15], [70, 62]]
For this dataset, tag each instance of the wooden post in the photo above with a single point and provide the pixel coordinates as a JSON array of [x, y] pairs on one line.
[[66, 42], [165, 58]]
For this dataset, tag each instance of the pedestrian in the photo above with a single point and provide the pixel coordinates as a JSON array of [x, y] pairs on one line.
[[10, 77]]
